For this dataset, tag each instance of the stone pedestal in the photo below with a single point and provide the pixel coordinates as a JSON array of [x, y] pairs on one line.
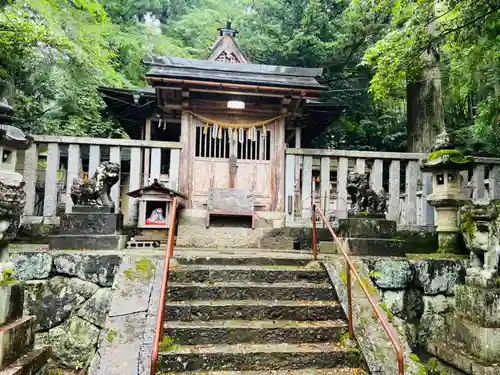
[[471, 336], [369, 235], [91, 228]]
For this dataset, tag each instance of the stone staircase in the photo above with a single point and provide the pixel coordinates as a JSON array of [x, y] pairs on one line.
[[256, 314]]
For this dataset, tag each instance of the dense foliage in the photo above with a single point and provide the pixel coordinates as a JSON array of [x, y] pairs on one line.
[[55, 53]]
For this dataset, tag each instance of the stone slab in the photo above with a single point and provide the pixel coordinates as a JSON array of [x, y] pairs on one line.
[[255, 332], [92, 209], [134, 278], [87, 242], [17, 338], [97, 268], [28, 364], [208, 274], [480, 305], [253, 310], [31, 265], [90, 223], [257, 291], [258, 357], [120, 342], [367, 228], [480, 342], [376, 247], [436, 276], [11, 302], [461, 360], [233, 237]]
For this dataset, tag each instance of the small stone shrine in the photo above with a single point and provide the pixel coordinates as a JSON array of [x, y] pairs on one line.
[[155, 203], [93, 223], [17, 333], [446, 164], [470, 339]]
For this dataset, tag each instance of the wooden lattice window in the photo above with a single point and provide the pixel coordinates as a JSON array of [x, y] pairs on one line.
[[209, 147], [229, 58], [258, 147]]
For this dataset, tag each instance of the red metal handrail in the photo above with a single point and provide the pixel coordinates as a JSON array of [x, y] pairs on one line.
[[160, 317], [350, 268]]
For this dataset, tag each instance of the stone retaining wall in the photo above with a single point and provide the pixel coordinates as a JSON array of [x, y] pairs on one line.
[[70, 295], [418, 292]]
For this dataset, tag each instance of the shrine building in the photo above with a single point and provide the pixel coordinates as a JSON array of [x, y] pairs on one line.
[[233, 118]]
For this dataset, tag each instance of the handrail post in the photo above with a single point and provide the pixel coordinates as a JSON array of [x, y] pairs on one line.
[[349, 303], [314, 234]]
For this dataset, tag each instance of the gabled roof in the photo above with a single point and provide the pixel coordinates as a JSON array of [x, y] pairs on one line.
[[215, 71], [226, 48], [156, 187]]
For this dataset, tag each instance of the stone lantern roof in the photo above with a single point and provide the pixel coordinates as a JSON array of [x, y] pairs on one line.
[[10, 136], [444, 157]]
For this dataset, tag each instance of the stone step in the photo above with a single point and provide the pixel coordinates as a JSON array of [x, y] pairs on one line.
[[16, 338], [28, 364], [254, 331], [462, 360], [373, 247], [265, 274], [253, 310], [245, 291], [367, 228], [87, 242], [263, 258], [308, 371], [242, 357]]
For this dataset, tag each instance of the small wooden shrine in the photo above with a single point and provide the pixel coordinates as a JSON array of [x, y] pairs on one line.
[[155, 204]]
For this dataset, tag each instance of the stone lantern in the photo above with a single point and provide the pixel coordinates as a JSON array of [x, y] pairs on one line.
[[12, 193], [17, 331], [446, 163]]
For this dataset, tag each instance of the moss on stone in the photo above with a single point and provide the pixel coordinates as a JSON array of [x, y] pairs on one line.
[[167, 344], [433, 363], [438, 256], [455, 156], [144, 270], [384, 307], [369, 286], [414, 357], [111, 335], [7, 277], [467, 225]]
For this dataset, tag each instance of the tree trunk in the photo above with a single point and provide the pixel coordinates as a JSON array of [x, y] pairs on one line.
[[425, 106]]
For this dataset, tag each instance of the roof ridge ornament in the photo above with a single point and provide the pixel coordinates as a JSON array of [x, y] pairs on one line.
[[228, 30]]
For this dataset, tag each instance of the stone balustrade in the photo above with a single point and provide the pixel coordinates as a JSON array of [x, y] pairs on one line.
[[320, 176], [51, 164]]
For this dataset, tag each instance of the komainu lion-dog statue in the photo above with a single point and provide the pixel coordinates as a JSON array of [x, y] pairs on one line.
[[480, 226], [96, 191]]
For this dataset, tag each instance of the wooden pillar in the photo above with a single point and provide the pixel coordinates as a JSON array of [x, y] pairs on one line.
[[185, 168], [147, 152], [279, 165], [298, 142]]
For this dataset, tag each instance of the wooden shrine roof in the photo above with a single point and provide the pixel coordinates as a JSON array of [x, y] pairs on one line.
[[249, 74]]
